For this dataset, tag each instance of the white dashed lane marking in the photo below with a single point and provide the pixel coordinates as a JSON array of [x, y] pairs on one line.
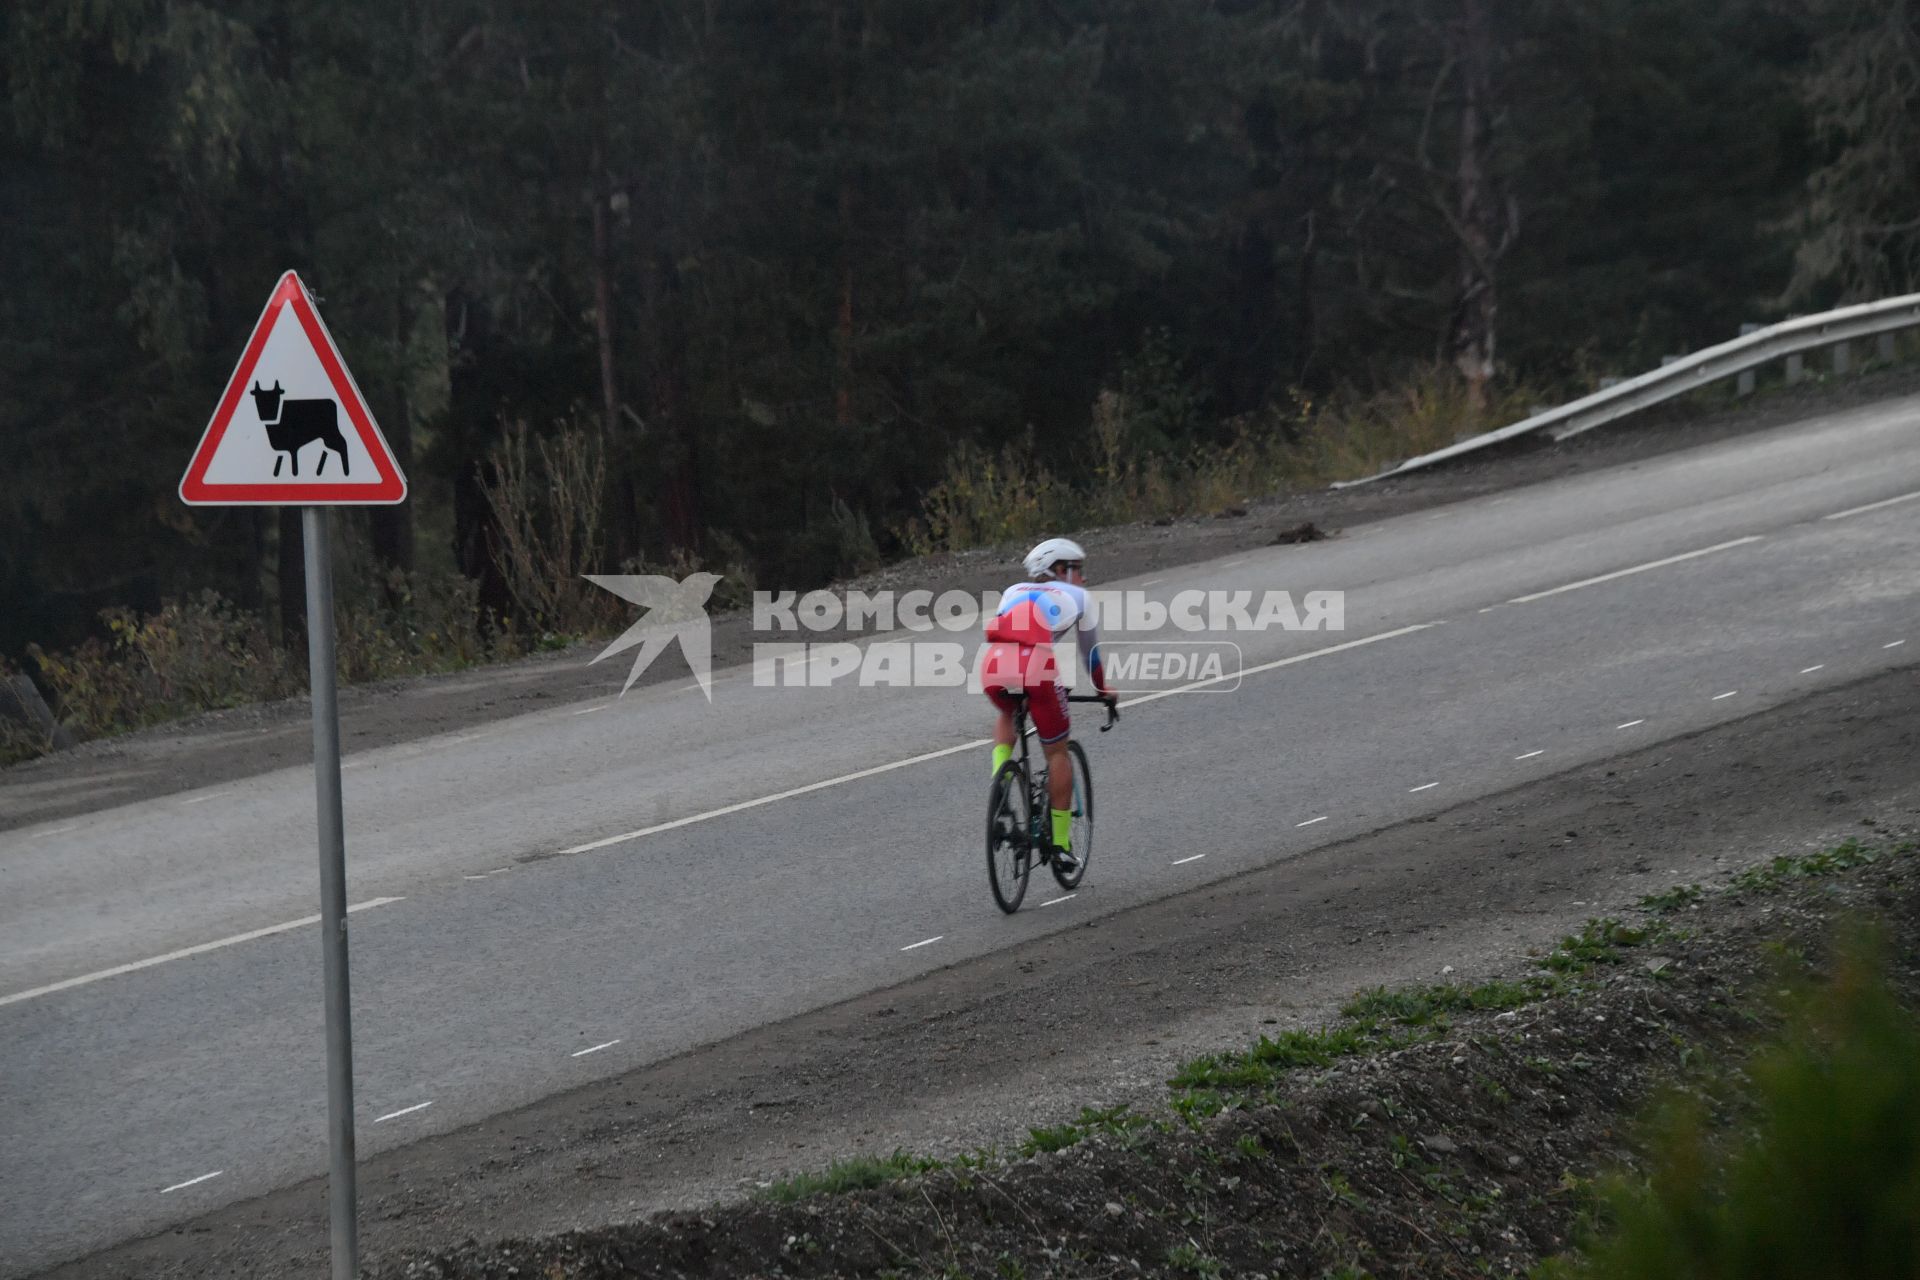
[[595, 1049], [191, 1182], [1638, 568], [1425, 786], [1310, 821], [1818, 666], [1184, 861], [1054, 902], [1531, 754], [1629, 724], [924, 942], [1895, 645], [183, 953], [1872, 506], [404, 1111], [1728, 694]]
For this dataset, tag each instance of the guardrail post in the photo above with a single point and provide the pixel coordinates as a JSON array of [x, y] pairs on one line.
[[1744, 384], [1886, 348], [1794, 368], [1842, 357]]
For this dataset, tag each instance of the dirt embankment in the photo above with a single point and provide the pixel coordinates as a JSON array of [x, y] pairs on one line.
[[1460, 1148]]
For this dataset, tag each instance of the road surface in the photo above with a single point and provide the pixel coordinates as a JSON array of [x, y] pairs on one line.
[[561, 896]]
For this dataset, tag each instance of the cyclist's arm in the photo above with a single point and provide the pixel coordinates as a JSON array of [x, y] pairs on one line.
[[1089, 638]]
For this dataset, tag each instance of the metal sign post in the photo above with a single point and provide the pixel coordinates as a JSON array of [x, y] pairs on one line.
[[291, 400], [314, 525]]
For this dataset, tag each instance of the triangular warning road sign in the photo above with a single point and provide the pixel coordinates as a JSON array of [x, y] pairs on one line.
[[292, 428]]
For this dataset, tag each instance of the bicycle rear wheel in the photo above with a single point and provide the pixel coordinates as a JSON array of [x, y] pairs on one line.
[[1009, 837], [1081, 845]]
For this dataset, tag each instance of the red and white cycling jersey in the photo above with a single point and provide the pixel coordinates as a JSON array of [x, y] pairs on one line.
[[1036, 616]]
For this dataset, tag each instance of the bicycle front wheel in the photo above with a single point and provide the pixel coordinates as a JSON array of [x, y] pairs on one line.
[[1081, 844], [1009, 837]]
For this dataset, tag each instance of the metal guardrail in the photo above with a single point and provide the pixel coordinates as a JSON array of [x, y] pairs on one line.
[[1749, 351]]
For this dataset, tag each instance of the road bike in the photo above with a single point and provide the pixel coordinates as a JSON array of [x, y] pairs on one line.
[[1019, 826]]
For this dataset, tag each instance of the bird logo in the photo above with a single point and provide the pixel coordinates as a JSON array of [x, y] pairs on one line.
[[671, 611]]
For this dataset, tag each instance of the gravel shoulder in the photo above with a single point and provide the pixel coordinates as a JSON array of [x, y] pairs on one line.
[[975, 1055], [227, 746]]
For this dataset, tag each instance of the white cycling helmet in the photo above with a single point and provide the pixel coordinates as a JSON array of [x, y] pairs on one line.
[[1040, 561]]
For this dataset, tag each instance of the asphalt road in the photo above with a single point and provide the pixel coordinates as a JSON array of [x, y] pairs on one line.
[[580, 890]]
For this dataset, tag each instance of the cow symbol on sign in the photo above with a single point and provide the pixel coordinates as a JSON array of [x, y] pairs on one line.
[[292, 425]]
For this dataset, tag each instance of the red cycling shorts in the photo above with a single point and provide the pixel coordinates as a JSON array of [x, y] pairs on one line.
[[1029, 668]]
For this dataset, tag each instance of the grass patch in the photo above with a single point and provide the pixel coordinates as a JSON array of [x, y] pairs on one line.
[[1423, 1006], [1769, 877], [1117, 1121], [855, 1173], [1598, 942], [1272, 1057], [1678, 898]]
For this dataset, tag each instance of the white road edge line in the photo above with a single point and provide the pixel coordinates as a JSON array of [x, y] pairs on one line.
[[183, 953], [1310, 821], [202, 799], [1531, 754], [57, 831], [1151, 581], [1184, 861], [1638, 568], [1276, 664], [587, 711], [404, 1111], [1872, 506], [1629, 724], [191, 1182], [924, 942], [1719, 696], [975, 745], [1065, 897], [597, 1048], [1818, 666], [1425, 786]]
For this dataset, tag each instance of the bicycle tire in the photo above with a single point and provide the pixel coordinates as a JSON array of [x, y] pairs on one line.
[[1081, 843], [1009, 843]]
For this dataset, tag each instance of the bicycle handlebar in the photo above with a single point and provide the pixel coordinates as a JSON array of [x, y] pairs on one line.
[[1113, 707]]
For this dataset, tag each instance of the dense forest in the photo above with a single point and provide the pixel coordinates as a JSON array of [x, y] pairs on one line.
[[738, 282]]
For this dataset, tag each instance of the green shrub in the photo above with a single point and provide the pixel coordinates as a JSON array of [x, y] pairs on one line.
[[194, 655], [1825, 1178]]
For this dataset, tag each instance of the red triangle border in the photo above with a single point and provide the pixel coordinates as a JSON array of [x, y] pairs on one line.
[[392, 485]]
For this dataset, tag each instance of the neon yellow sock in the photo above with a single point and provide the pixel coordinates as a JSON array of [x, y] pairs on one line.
[[1002, 752], [1062, 827]]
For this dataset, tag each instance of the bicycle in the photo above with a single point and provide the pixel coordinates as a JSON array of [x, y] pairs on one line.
[[1019, 828]]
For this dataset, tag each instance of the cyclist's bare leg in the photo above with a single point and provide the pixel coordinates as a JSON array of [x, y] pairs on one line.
[[1003, 729], [1059, 775]]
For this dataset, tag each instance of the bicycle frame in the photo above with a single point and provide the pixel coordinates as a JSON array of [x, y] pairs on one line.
[[1040, 838]]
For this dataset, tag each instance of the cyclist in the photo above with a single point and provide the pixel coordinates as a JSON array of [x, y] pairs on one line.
[[1034, 616]]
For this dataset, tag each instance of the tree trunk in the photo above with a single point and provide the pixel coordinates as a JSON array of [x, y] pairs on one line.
[[678, 434], [392, 527], [1478, 213], [603, 298], [292, 584]]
